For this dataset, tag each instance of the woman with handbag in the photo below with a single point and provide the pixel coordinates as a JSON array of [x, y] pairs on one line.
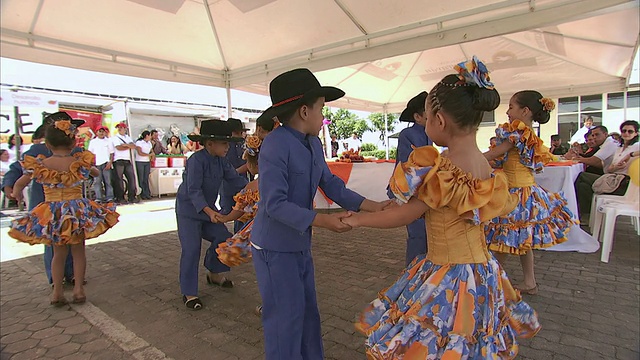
[[616, 179]]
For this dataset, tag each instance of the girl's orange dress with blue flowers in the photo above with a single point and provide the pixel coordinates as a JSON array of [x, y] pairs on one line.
[[455, 302], [237, 249], [541, 219], [65, 217]]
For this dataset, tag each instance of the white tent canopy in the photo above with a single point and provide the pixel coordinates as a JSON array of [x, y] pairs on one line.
[[561, 47]]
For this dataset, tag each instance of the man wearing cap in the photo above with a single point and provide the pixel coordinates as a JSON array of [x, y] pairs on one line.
[[234, 156], [123, 144], [36, 191], [103, 149], [196, 211], [413, 136]]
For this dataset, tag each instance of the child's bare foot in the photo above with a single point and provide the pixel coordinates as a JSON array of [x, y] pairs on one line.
[[57, 298], [78, 296]]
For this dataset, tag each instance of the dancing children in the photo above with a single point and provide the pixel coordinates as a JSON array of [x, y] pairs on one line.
[[292, 167], [541, 219], [237, 249], [456, 301], [196, 212], [65, 217]]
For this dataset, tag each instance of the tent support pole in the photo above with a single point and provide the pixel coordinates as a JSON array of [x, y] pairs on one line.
[[386, 133]]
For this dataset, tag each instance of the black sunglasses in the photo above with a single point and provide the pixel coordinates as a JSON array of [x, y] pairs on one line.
[[630, 131]]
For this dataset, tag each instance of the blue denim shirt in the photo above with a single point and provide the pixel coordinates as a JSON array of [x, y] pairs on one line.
[[201, 182], [292, 167]]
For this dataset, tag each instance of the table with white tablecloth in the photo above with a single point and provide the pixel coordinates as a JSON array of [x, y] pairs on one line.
[[368, 179], [561, 179]]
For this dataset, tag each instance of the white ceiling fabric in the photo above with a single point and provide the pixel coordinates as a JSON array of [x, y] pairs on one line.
[[380, 52]]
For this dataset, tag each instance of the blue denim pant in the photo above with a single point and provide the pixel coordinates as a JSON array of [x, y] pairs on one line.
[[104, 179], [144, 169]]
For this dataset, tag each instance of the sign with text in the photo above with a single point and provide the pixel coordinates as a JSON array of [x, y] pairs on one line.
[[31, 107]]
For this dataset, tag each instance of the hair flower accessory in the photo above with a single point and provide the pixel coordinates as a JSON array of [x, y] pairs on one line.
[[64, 125], [547, 104], [474, 72], [252, 144]]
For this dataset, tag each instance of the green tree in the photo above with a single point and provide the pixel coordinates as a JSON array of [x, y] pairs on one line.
[[377, 120], [344, 123]]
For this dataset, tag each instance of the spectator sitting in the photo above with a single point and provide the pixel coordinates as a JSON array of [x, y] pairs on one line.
[[557, 148], [158, 148], [601, 159], [354, 143], [175, 147], [616, 137], [628, 149], [4, 161], [11, 147]]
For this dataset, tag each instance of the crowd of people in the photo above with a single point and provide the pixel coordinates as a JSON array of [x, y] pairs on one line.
[[452, 300]]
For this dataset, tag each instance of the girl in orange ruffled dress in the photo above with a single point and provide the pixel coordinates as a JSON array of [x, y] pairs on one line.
[[65, 219], [237, 249], [456, 301], [541, 219]]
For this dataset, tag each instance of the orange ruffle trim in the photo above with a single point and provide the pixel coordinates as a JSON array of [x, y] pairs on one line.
[[531, 140], [447, 185], [110, 221], [42, 174]]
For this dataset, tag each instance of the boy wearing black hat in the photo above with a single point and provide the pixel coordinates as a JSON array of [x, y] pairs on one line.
[[292, 166], [234, 155], [413, 136], [196, 212]]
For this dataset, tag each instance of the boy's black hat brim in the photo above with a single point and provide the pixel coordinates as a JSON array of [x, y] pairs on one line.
[[329, 93], [416, 103], [214, 137]]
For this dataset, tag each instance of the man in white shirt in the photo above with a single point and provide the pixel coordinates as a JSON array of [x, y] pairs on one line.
[[123, 144], [103, 149], [354, 143], [601, 159], [578, 137]]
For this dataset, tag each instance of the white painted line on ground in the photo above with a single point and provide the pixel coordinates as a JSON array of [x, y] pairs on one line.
[[119, 334]]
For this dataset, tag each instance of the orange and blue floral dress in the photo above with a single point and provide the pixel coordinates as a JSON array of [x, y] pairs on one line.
[[455, 302], [541, 219], [65, 217], [237, 249]]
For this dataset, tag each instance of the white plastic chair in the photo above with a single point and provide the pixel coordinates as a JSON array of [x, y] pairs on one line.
[[608, 210]]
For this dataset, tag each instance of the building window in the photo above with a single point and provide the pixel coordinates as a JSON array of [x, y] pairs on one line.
[[573, 111], [488, 118], [633, 99], [615, 101]]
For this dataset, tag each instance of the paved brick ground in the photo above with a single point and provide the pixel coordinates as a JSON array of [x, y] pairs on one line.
[[588, 309]]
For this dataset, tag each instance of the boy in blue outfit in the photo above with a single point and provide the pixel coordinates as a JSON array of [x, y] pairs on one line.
[[196, 212], [234, 155], [412, 137], [292, 166]]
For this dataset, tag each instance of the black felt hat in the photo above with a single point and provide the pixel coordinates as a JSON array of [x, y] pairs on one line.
[[215, 130], [415, 105], [290, 89], [61, 115], [236, 124]]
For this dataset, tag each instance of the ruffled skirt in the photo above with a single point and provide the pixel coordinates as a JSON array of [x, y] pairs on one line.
[[64, 222], [237, 249], [458, 311], [540, 220]]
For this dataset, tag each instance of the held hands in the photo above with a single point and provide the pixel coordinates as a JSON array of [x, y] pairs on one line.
[[333, 222]]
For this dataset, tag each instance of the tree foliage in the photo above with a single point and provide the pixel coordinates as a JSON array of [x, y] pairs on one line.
[[377, 120], [344, 123]]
